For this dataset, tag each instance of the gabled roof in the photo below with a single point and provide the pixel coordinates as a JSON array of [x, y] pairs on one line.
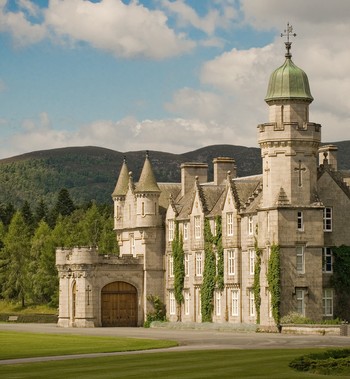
[[147, 181], [122, 185], [337, 176]]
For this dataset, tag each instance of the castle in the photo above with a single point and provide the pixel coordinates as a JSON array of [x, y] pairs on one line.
[[298, 206]]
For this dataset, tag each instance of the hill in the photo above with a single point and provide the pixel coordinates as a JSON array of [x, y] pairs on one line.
[[90, 173]]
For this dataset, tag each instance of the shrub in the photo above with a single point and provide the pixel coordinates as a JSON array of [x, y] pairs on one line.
[[159, 311], [295, 318]]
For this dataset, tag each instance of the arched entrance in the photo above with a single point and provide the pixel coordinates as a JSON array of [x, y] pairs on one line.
[[119, 304]]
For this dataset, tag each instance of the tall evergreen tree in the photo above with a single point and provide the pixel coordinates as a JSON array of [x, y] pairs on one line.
[[41, 212], [15, 258], [64, 205], [43, 269], [28, 216]]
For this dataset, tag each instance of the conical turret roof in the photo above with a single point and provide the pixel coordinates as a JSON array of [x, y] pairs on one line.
[[147, 181], [122, 185]]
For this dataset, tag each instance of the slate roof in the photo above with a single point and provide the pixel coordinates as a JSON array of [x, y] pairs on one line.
[[147, 181], [121, 188]]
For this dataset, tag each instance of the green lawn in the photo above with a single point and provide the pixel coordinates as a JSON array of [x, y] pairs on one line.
[[21, 345], [271, 364]]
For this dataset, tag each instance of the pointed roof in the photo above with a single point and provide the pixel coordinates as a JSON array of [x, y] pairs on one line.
[[147, 181], [122, 185]]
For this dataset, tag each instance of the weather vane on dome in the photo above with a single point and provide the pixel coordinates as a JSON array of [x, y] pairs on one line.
[[288, 32]]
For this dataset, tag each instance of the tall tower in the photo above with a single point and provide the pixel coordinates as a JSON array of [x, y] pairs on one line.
[[289, 141], [290, 215]]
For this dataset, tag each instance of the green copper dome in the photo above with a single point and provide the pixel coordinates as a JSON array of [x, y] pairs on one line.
[[288, 82]]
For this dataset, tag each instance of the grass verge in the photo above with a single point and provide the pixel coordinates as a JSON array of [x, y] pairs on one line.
[[23, 345], [185, 365]]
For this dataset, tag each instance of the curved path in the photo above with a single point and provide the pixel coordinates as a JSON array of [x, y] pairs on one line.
[[188, 339]]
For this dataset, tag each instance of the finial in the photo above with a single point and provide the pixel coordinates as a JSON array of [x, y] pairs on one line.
[[288, 32]]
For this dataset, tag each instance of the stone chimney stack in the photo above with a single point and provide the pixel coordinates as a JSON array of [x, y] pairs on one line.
[[327, 154], [189, 171], [221, 166]]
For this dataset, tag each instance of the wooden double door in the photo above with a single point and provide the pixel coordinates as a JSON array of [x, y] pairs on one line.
[[119, 305]]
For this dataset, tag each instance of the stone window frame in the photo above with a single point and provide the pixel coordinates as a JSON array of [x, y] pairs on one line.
[[231, 262], [327, 260], [327, 301], [328, 219], [300, 221], [229, 224], [300, 259], [235, 302]]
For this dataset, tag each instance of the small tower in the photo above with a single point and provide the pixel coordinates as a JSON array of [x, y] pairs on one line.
[[147, 195], [119, 194], [289, 142]]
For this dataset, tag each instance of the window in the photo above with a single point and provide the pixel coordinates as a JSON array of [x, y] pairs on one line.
[[171, 229], [327, 219], [185, 231], [229, 223], [300, 259], [155, 208], [172, 305], [218, 303], [327, 265], [250, 225], [251, 303], [235, 302], [300, 296], [171, 266], [251, 262], [187, 264], [197, 227], [187, 303], [198, 264], [231, 255], [300, 221], [142, 209], [132, 244], [327, 302], [214, 227]]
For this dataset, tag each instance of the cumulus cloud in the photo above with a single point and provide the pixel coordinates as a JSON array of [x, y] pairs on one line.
[[21, 29], [219, 17], [125, 30]]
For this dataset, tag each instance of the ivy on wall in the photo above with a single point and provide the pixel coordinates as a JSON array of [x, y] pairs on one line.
[[209, 275], [256, 284], [274, 281], [179, 267], [220, 254], [341, 280]]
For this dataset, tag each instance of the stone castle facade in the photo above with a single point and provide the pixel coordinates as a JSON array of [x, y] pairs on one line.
[[299, 203]]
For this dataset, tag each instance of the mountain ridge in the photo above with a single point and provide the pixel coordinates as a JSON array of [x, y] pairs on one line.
[[90, 172]]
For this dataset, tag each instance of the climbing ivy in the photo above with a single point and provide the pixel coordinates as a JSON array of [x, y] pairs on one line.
[[256, 284], [179, 267], [341, 280], [220, 254], [209, 274], [274, 281]]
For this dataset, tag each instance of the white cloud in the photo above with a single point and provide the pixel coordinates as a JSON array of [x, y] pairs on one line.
[[219, 17], [21, 29], [125, 30]]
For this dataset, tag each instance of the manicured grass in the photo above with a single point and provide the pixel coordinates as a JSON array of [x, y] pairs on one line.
[[185, 365], [21, 345]]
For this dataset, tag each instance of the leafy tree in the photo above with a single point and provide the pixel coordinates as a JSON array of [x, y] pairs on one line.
[[43, 269], [7, 212], [15, 260], [91, 226]]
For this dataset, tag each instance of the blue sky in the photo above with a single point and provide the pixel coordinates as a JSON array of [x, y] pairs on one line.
[[169, 75]]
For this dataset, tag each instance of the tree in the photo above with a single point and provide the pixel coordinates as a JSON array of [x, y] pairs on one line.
[[43, 268], [108, 243], [15, 260], [28, 215], [64, 205], [41, 212]]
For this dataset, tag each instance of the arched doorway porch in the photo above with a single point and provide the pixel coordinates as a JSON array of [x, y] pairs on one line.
[[119, 305]]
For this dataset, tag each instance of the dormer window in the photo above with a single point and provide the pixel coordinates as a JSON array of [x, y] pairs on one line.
[[197, 227], [229, 223]]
